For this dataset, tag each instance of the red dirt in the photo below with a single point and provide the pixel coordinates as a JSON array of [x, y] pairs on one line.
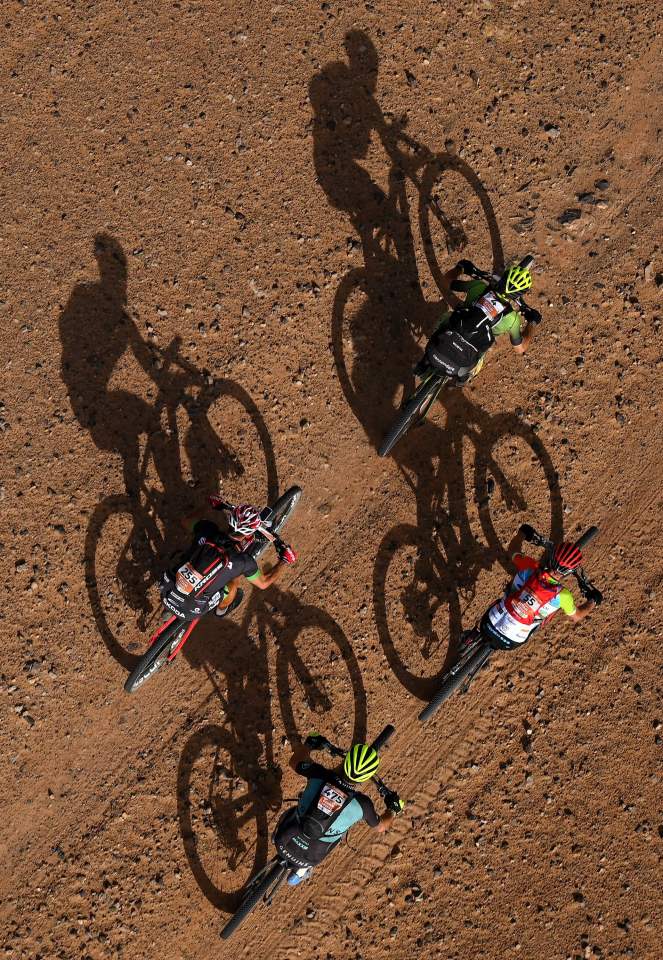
[[255, 201]]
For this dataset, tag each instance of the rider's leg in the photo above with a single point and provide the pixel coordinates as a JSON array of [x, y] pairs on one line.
[[233, 596]]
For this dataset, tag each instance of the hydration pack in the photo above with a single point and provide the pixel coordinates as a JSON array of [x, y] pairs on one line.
[[525, 603], [190, 591], [324, 810], [457, 347]]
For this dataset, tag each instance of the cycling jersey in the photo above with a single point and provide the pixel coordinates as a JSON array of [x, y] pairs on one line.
[[505, 627], [328, 792], [196, 585], [509, 322]]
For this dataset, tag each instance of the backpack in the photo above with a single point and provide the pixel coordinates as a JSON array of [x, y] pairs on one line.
[[524, 604], [456, 348], [325, 808], [189, 592]]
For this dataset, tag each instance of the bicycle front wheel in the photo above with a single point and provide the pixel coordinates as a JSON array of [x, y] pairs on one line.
[[253, 897], [415, 409], [278, 517], [453, 681]]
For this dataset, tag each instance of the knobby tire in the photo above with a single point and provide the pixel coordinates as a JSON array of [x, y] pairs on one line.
[[451, 683], [422, 398], [251, 900], [145, 668]]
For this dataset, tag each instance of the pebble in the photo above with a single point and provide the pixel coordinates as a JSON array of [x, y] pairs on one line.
[[568, 216]]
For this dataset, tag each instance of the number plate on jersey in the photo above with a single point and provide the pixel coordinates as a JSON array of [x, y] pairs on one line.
[[187, 578], [490, 305], [331, 799]]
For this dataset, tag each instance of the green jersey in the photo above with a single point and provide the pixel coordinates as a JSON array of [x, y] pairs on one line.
[[509, 322]]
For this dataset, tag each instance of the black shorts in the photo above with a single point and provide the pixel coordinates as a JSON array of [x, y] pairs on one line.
[[496, 639]]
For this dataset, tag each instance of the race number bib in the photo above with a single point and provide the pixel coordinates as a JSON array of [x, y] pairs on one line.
[[187, 579], [490, 305], [331, 799]]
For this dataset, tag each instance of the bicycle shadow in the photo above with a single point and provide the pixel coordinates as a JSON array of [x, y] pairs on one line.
[[425, 573], [380, 312], [131, 534], [224, 814]]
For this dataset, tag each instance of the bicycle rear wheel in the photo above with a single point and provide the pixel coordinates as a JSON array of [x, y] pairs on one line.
[[253, 896], [453, 681], [415, 409], [278, 516], [156, 656]]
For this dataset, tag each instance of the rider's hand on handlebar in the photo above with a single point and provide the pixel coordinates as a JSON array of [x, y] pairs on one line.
[[393, 802], [286, 553], [527, 531], [595, 596], [215, 501], [316, 741], [465, 266], [531, 315]]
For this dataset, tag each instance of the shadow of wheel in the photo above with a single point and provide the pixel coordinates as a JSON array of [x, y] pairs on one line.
[[117, 588], [315, 661], [417, 604], [223, 819], [431, 213], [534, 495]]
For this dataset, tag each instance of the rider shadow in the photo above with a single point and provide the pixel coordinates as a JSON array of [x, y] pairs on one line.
[[244, 778], [380, 312], [102, 349], [449, 557]]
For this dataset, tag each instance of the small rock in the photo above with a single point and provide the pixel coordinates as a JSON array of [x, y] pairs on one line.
[[552, 131], [649, 272], [569, 215], [601, 184]]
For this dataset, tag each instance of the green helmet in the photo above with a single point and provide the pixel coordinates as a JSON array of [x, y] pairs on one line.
[[361, 762], [516, 280]]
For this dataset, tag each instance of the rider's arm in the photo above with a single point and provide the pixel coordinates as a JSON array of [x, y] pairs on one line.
[[300, 754], [582, 611], [525, 340], [385, 821], [265, 578]]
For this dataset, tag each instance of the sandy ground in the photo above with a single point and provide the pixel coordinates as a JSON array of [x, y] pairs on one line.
[[223, 235]]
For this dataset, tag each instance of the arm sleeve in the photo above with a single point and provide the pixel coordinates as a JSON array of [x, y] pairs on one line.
[[515, 336], [309, 768], [368, 810], [250, 568], [523, 562], [566, 602]]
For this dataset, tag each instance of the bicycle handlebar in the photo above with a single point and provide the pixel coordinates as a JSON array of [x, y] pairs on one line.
[[380, 741], [585, 584]]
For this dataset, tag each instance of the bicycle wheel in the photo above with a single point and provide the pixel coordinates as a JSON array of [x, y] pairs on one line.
[[453, 681], [253, 897], [414, 409], [156, 656], [278, 516]]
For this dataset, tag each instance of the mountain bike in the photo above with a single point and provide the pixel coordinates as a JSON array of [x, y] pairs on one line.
[[265, 884], [171, 636], [434, 378], [478, 650]]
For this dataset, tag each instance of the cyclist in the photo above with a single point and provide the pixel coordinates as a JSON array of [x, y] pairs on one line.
[[534, 595], [487, 313], [208, 574], [329, 805]]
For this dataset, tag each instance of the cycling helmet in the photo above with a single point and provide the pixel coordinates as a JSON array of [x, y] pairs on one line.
[[244, 519], [516, 281], [361, 762], [566, 557]]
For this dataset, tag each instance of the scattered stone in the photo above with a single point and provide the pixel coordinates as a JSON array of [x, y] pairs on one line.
[[649, 272], [569, 215], [602, 184], [552, 131]]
